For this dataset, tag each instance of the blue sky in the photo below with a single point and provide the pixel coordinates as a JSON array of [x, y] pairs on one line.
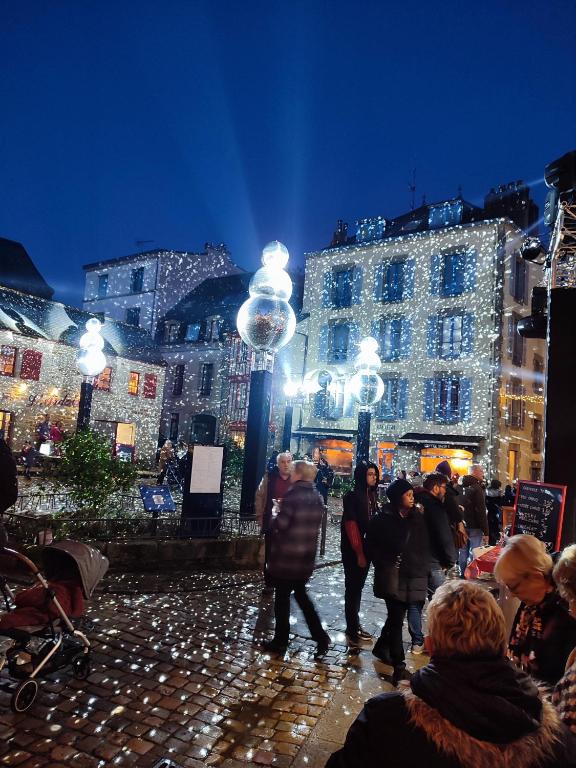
[[183, 122]]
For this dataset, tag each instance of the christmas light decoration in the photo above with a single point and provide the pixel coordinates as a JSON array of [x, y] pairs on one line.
[[91, 360]]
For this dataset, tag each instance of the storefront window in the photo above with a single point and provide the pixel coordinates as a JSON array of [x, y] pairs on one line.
[[133, 383], [103, 382], [7, 361]]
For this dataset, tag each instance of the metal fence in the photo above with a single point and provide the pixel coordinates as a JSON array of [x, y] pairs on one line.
[[44, 503]]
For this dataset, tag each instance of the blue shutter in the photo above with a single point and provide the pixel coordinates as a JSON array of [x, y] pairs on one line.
[[470, 271], [429, 399], [435, 274], [375, 330], [405, 337], [467, 333], [465, 399], [357, 285], [327, 289], [323, 343], [378, 281], [353, 341], [409, 270], [432, 328], [402, 398]]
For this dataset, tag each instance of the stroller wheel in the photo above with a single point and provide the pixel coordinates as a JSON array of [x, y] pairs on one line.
[[81, 666], [24, 695]]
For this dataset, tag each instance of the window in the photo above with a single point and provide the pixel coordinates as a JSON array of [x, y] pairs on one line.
[[445, 215], [450, 341], [133, 383], [392, 406], [213, 325], [103, 381], [518, 279], [516, 341], [5, 425], [102, 286], [447, 398], [192, 332], [137, 280], [329, 401], [342, 286], [238, 401], [205, 383], [178, 381], [174, 426], [31, 365], [338, 342], [394, 281], [516, 404], [537, 434], [7, 360], [171, 332], [394, 335], [150, 385], [133, 316], [241, 358], [538, 380], [453, 273], [536, 471]]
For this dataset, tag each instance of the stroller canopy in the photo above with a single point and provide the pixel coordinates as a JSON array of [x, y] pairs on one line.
[[91, 564]]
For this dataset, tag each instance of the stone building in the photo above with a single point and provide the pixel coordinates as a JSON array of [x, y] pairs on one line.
[[442, 289], [140, 288]]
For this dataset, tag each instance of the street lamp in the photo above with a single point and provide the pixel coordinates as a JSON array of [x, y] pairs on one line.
[[90, 362], [367, 388], [265, 322], [296, 392]]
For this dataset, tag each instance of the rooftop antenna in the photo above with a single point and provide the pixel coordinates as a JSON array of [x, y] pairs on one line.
[[140, 243], [412, 188]]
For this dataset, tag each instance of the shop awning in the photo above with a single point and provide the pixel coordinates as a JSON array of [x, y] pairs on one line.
[[325, 434], [432, 440]]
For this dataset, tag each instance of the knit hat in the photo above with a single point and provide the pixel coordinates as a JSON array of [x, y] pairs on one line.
[[396, 490], [445, 469]]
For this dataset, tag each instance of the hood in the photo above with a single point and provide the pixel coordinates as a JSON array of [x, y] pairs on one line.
[[91, 564], [360, 475]]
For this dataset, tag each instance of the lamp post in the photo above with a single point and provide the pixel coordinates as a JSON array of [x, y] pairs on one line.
[[90, 362], [265, 322], [367, 388]]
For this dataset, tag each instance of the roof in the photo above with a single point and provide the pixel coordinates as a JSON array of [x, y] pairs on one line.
[[17, 270], [143, 255], [39, 318]]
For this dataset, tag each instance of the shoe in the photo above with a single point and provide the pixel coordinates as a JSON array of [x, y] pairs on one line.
[[417, 650], [272, 646], [364, 636], [322, 647], [382, 654], [400, 674], [353, 641]]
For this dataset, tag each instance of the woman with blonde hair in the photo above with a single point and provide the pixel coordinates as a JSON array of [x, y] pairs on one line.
[[470, 707], [543, 633], [564, 697]]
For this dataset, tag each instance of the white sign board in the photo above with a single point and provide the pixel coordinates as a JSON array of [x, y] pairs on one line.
[[206, 476]]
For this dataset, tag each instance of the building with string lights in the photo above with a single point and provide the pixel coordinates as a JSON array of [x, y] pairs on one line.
[[442, 289]]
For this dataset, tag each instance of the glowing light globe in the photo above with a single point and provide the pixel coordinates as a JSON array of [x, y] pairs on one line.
[[266, 321], [366, 385], [91, 360]]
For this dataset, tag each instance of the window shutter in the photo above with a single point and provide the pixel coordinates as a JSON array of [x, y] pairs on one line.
[[465, 399], [402, 398], [31, 365], [376, 331], [467, 333], [353, 340], [429, 399], [378, 281], [357, 285], [470, 271], [327, 290], [432, 328], [513, 260], [405, 337], [323, 343], [408, 276], [435, 274], [150, 385]]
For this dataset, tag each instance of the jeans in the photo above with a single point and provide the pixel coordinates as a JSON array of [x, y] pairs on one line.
[[354, 580], [436, 578], [414, 616], [283, 590], [475, 536]]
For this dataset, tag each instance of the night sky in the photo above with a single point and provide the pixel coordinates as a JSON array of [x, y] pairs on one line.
[[182, 122]]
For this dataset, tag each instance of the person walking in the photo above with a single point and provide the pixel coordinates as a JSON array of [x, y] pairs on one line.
[[293, 542], [399, 548], [166, 456], [324, 475], [494, 502], [442, 549], [274, 485], [360, 506], [475, 515]]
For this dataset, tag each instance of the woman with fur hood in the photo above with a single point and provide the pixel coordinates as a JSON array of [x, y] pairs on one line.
[[468, 708]]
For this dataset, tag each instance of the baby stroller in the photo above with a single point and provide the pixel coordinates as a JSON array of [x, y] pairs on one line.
[[41, 650], [174, 476]]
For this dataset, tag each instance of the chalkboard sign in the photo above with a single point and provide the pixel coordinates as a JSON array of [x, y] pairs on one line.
[[539, 510]]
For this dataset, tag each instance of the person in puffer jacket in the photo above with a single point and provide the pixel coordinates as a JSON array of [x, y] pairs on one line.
[[468, 708]]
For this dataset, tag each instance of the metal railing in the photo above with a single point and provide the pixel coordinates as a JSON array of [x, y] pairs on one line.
[[44, 503]]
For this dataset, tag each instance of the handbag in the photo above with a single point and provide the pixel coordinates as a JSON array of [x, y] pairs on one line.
[[460, 537], [387, 578]]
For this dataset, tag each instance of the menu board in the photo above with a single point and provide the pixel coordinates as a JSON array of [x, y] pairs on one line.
[[539, 510], [207, 466]]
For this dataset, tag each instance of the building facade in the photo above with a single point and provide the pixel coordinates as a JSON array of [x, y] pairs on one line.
[[139, 289], [442, 290]]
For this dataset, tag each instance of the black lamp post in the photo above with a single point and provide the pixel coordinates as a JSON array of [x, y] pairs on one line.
[[367, 388], [90, 362]]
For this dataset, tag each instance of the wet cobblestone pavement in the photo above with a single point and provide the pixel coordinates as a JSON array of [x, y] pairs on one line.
[[177, 672]]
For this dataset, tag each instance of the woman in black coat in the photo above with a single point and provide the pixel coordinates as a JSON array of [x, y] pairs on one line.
[[399, 548]]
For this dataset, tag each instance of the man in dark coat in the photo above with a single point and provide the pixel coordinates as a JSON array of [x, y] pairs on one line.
[[468, 708], [398, 537], [8, 478], [475, 513], [325, 475], [442, 550], [293, 541], [360, 506]]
